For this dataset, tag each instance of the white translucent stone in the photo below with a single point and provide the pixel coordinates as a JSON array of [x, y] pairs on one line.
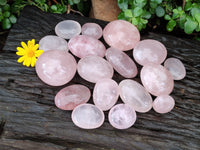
[[105, 94], [87, 116], [94, 68], [122, 116], [176, 68], [121, 62], [135, 95], [92, 29], [67, 29], [52, 42]]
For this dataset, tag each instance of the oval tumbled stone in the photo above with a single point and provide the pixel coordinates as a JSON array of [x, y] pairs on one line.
[[71, 96], [67, 29], [122, 116], [82, 46], [135, 95], [157, 79], [56, 67], [105, 94], [52, 42], [93, 68], [87, 116], [121, 62], [121, 34], [149, 51], [92, 29]]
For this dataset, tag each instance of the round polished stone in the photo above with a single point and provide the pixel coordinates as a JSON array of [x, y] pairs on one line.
[[157, 80], [71, 96], [163, 104], [92, 29], [87, 116], [105, 94], [94, 68], [176, 68], [121, 62], [67, 29], [149, 51], [122, 116], [52, 42], [56, 67], [121, 34], [83, 45], [135, 95]]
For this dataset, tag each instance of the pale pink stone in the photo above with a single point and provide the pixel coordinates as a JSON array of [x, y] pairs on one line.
[[121, 34], [87, 116], [163, 104], [122, 116], [83, 45], [52, 42], [105, 94], [149, 51], [176, 68], [67, 29], [157, 80], [71, 96], [92, 29], [135, 95], [56, 67], [121, 62], [94, 68]]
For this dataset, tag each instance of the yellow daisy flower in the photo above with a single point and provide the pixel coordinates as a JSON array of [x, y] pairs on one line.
[[28, 53]]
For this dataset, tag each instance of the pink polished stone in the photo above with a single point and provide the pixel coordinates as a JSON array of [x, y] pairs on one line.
[[176, 68], [157, 80], [149, 51], [121, 62], [87, 116], [52, 42], [56, 67], [92, 29], [94, 68], [67, 29], [163, 104], [83, 45], [121, 34], [122, 116], [71, 96], [135, 95], [105, 94]]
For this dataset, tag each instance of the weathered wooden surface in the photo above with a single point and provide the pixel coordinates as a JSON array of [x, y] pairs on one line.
[[30, 120]]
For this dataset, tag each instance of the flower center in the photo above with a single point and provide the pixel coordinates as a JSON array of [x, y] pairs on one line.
[[30, 53]]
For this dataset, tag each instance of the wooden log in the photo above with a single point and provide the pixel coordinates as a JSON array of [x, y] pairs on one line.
[[30, 120]]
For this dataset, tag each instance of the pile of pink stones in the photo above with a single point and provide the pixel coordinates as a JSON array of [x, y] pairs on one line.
[[57, 66]]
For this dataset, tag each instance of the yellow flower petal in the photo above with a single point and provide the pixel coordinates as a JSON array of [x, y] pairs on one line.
[[33, 61], [24, 45], [33, 41], [21, 59], [20, 49], [20, 53], [28, 61], [38, 53], [35, 47], [24, 63]]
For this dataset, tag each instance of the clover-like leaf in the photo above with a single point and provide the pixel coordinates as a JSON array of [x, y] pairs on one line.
[[128, 13], [160, 12], [170, 25], [137, 12], [190, 25]]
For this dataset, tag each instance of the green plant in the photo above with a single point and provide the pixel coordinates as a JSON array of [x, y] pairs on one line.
[[185, 15]]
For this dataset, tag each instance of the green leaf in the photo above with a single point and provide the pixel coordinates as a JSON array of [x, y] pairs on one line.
[[196, 13], [190, 25], [121, 16], [179, 8], [182, 20], [188, 6], [143, 21], [6, 7], [76, 1], [134, 21], [123, 4], [153, 4], [13, 19], [54, 8], [158, 1], [167, 17], [6, 24], [160, 12], [146, 15], [170, 25], [3, 2], [6, 14], [128, 13], [70, 2], [137, 12], [139, 3]]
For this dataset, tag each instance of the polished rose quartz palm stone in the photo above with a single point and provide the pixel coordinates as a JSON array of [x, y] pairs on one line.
[[176, 68], [135, 95], [121, 62], [52, 42], [157, 79], [121, 34], [83, 45], [56, 67], [122, 116], [87, 116], [71, 96], [163, 104], [149, 51], [105, 94], [92, 29], [94, 68]]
